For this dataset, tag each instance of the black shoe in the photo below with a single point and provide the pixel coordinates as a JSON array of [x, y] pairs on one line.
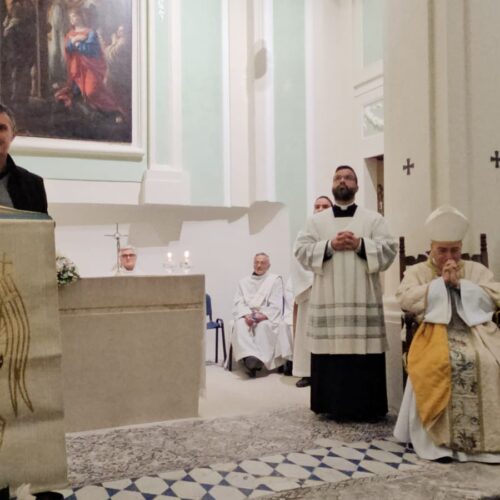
[[4, 493], [303, 382], [253, 363], [288, 368], [48, 495]]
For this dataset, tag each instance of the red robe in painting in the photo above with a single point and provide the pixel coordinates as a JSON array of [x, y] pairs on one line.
[[86, 68]]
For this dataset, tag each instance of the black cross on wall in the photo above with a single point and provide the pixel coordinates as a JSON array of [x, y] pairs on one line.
[[496, 159], [408, 166]]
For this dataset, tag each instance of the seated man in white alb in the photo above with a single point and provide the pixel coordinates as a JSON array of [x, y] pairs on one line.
[[257, 313], [451, 404]]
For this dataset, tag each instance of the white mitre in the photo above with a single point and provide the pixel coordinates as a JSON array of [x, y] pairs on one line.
[[446, 223]]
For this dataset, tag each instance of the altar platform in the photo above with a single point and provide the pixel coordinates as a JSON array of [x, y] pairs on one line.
[[133, 349]]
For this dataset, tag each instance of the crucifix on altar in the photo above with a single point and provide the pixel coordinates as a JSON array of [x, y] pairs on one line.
[[117, 236]]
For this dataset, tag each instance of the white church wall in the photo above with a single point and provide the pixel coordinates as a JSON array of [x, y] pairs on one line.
[[330, 103], [441, 105], [441, 108], [482, 176], [407, 127], [342, 84], [406, 136], [238, 101]]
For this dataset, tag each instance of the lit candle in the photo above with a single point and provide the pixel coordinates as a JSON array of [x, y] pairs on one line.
[[186, 257], [169, 257]]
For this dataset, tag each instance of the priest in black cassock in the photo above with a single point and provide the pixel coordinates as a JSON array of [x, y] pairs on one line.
[[347, 248]]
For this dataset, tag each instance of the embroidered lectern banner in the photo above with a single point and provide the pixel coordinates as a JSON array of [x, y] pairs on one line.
[[32, 445]]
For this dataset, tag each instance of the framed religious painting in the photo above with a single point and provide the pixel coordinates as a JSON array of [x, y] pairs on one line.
[[73, 73]]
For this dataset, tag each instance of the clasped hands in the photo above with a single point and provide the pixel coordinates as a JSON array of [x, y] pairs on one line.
[[254, 318], [450, 273], [345, 240]]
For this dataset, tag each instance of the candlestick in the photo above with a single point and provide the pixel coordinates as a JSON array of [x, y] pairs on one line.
[[168, 264]]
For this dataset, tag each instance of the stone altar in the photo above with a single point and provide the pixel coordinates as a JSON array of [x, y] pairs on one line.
[[133, 349]]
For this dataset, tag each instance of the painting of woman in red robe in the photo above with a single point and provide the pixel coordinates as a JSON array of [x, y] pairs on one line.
[[86, 69], [69, 68]]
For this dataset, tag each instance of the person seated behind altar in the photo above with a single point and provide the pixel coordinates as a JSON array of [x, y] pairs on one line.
[[128, 261], [451, 401], [257, 339]]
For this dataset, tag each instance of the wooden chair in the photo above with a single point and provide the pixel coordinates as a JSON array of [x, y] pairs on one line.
[[408, 320]]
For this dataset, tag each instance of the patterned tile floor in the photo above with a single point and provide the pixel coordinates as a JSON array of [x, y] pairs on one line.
[[331, 461]]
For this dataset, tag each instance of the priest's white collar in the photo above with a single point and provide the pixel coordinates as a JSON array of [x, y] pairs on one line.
[[345, 207]]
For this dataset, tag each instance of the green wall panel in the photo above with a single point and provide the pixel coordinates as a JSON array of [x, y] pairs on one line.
[[290, 112], [160, 100], [88, 169], [202, 113], [373, 42]]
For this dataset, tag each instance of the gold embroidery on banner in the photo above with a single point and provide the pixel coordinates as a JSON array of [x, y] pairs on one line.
[[15, 336]]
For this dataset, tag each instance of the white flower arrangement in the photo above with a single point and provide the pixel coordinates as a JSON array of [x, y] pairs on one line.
[[67, 272]]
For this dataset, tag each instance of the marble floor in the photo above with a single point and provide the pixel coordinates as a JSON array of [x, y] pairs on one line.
[[330, 461], [277, 453]]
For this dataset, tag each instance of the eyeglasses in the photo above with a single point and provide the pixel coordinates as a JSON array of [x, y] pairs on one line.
[[128, 255]]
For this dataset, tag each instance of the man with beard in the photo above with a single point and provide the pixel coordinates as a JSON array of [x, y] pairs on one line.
[[346, 250]]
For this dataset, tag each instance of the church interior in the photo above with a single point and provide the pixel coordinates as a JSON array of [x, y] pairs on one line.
[[240, 111]]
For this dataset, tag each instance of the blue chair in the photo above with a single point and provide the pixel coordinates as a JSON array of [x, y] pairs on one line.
[[216, 325]]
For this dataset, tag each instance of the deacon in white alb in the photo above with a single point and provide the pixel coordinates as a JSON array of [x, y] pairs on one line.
[[451, 404], [302, 281], [257, 313]]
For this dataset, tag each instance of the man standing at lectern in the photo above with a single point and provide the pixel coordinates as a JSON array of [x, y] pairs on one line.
[[18, 188]]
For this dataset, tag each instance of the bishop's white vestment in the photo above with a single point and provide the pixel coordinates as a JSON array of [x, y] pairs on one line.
[[451, 404], [265, 340]]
